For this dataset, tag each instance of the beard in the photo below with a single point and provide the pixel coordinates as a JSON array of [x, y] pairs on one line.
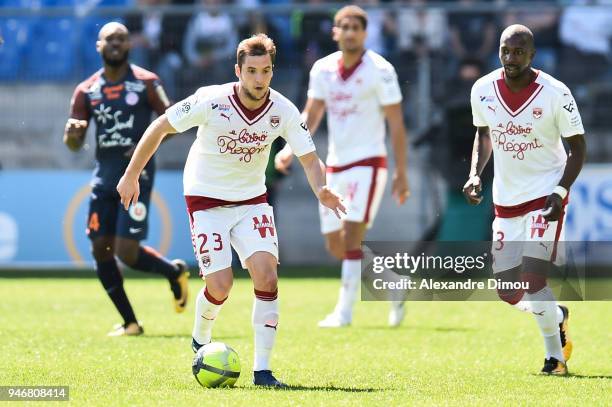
[[116, 62], [252, 97]]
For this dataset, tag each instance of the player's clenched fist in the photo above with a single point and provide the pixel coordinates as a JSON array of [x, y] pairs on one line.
[[332, 200], [472, 190], [74, 133], [400, 188], [282, 160], [129, 190]]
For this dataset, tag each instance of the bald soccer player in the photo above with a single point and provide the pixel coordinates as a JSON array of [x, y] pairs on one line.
[[120, 98], [522, 115]]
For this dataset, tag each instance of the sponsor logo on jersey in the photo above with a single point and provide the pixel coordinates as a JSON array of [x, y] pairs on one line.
[[137, 87], [487, 99], [226, 116], [275, 121], [224, 107], [264, 226], [537, 112], [234, 143], [493, 108], [539, 225], [303, 126], [570, 106], [138, 211], [504, 138], [113, 92]]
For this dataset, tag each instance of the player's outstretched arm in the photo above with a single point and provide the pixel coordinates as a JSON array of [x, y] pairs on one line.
[[553, 207], [74, 133], [481, 153], [128, 187], [397, 129], [311, 116], [315, 172]]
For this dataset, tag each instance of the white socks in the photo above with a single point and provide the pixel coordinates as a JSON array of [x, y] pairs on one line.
[[351, 276], [207, 309], [265, 322], [546, 312]]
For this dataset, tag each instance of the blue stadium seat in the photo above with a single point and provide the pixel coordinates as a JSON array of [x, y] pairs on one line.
[[51, 56], [15, 36], [113, 3], [57, 3]]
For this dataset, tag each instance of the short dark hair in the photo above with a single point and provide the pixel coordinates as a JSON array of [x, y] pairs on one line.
[[351, 12], [259, 44]]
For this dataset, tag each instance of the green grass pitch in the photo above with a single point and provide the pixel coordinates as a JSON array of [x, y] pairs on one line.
[[52, 332]]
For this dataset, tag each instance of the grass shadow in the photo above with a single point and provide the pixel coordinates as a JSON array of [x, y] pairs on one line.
[[575, 376], [187, 336], [297, 387], [418, 328]]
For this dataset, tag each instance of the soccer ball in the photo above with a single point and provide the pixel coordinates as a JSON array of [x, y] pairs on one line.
[[216, 365]]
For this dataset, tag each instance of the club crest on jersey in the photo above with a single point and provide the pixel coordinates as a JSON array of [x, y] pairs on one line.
[[274, 121], [537, 112], [205, 260], [138, 211], [131, 98]]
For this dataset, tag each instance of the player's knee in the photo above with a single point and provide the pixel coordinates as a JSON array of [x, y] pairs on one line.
[[102, 250], [219, 288], [267, 281], [511, 296], [127, 254], [506, 288], [534, 281], [335, 248]]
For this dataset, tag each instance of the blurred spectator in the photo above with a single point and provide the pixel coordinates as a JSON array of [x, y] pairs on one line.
[[145, 28], [210, 46], [313, 33], [452, 155], [421, 35], [544, 23], [376, 20], [472, 33], [256, 23], [585, 33]]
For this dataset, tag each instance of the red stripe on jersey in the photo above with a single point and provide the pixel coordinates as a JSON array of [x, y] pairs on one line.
[[524, 208], [553, 257], [345, 72], [250, 116], [515, 103], [201, 203], [376, 162], [371, 195]]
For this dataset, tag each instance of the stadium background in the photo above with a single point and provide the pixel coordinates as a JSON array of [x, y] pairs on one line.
[[438, 49]]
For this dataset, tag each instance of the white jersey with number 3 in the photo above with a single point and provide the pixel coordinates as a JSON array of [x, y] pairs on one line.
[[354, 100], [228, 159], [526, 130]]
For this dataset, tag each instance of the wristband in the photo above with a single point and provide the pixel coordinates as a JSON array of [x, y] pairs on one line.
[[561, 191]]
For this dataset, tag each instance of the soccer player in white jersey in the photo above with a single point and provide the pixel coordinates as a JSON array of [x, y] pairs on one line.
[[359, 90], [224, 187], [522, 115]]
